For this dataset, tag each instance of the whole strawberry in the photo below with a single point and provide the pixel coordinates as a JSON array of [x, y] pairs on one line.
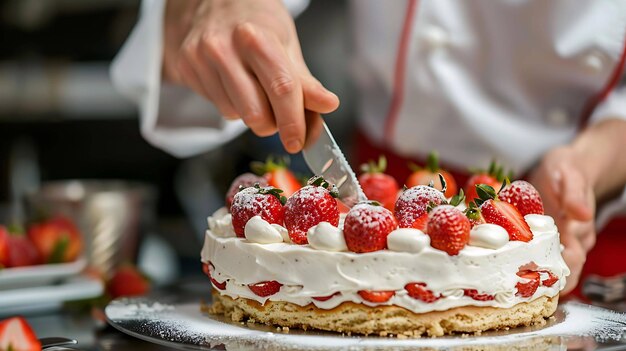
[[494, 176], [524, 196], [243, 181], [502, 213], [278, 175], [308, 207], [4, 247], [22, 252], [57, 240], [128, 281], [266, 202], [432, 173], [366, 227], [377, 185], [448, 228], [411, 209]]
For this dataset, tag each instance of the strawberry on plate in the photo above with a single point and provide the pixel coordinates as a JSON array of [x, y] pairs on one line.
[[424, 176], [309, 206], [266, 202], [241, 182], [128, 281], [277, 175], [419, 291], [376, 296], [411, 209], [377, 185], [265, 289], [502, 213], [523, 196], [22, 252], [448, 228], [17, 335], [493, 177], [530, 284], [366, 227], [4, 247], [57, 240]]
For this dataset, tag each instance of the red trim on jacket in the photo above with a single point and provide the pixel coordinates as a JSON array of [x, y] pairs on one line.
[[399, 72], [610, 85]]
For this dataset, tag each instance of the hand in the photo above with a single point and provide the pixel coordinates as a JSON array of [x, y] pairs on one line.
[[568, 196], [244, 56]]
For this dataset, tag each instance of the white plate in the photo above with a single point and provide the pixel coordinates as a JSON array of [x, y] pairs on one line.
[[48, 297], [184, 326], [45, 274]]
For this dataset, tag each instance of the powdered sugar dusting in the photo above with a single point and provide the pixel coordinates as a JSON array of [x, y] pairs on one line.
[[184, 326]]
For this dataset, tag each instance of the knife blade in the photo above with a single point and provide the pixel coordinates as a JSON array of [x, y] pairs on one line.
[[324, 157]]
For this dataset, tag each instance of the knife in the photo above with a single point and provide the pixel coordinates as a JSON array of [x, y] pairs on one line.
[[324, 158]]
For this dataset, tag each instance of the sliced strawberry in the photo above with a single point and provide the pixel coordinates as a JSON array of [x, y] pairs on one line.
[[128, 281], [377, 185], [413, 203], [207, 268], [342, 208], [424, 176], [325, 298], [366, 227], [256, 201], [421, 222], [418, 291], [493, 177], [502, 213], [528, 287], [448, 228], [265, 289], [308, 207], [277, 175], [550, 278], [376, 296], [473, 293], [4, 247], [241, 182], [523, 196], [17, 335], [58, 240]]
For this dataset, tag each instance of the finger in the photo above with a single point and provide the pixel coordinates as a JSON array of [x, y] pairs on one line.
[[575, 256], [316, 97], [241, 87], [280, 82], [203, 80], [574, 198], [313, 126]]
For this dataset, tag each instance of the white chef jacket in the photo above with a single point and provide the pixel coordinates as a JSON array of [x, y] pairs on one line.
[[474, 80]]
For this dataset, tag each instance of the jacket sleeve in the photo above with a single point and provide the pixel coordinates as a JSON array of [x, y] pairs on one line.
[[172, 118]]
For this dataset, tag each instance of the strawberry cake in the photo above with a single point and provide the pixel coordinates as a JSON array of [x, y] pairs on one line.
[[429, 266]]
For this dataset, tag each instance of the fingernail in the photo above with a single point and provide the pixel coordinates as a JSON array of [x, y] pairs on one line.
[[294, 145]]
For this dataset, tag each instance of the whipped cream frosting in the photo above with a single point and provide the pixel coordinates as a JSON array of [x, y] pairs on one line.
[[326, 236], [258, 230], [306, 272], [489, 236], [407, 240]]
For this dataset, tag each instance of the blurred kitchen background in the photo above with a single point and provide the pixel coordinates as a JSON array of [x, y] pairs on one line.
[[62, 120]]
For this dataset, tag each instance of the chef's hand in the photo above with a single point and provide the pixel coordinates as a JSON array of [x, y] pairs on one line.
[[572, 179], [568, 197], [244, 56]]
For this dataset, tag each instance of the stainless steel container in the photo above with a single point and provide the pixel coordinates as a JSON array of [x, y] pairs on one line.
[[111, 215]]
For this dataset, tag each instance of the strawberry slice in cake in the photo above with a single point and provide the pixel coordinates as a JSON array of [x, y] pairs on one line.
[[431, 266]]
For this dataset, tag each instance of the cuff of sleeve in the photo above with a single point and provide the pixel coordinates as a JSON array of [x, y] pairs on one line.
[[614, 106]]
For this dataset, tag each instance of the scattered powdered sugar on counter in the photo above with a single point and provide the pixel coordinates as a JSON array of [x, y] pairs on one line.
[[185, 326]]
